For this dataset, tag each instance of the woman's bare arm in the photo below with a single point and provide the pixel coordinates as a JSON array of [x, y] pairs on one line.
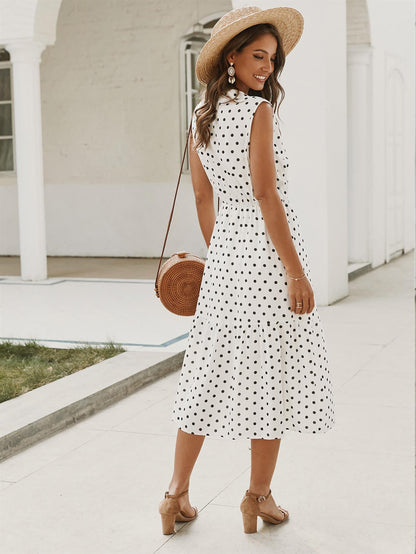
[[204, 195], [263, 178]]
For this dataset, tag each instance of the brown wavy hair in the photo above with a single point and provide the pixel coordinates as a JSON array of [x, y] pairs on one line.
[[219, 84]]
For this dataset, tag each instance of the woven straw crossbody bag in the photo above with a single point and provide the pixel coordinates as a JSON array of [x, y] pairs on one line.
[[178, 281]]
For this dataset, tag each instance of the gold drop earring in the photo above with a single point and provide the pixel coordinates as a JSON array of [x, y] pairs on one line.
[[231, 73]]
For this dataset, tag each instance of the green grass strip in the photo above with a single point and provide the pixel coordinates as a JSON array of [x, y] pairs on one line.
[[24, 367]]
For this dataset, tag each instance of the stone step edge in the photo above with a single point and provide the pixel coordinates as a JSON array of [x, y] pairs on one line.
[[58, 420]]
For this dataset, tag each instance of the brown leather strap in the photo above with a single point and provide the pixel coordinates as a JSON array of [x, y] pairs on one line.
[[259, 497], [167, 495], [174, 200]]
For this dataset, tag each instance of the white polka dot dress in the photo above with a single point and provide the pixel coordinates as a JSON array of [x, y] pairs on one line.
[[252, 367]]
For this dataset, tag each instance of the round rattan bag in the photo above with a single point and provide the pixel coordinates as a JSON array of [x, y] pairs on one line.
[[179, 278], [179, 281]]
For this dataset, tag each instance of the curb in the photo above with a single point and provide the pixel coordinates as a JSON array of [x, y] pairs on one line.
[[51, 408]]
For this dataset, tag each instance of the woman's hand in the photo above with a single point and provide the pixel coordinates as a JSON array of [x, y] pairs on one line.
[[300, 291]]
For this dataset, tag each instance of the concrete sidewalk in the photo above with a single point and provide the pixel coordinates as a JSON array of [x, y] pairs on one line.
[[65, 312], [95, 487]]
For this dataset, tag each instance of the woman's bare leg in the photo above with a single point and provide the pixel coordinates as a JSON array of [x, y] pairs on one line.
[[264, 454], [263, 462], [186, 453]]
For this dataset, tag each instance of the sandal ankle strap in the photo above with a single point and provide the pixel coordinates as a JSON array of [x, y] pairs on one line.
[[259, 497], [167, 495]]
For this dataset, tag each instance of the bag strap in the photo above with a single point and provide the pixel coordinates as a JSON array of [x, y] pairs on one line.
[[174, 200]]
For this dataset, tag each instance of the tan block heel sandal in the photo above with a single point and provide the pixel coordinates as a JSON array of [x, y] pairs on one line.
[[170, 512], [251, 509]]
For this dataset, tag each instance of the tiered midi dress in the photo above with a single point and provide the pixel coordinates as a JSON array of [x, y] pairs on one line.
[[252, 367]]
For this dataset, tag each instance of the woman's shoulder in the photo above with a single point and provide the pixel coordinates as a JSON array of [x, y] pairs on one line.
[[257, 100], [251, 103], [265, 113], [241, 99]]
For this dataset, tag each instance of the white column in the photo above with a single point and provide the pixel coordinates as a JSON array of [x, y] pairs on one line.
[[25, 58], [359, 153]]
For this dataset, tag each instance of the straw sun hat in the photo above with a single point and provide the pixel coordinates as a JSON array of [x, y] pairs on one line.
[[288, 21]]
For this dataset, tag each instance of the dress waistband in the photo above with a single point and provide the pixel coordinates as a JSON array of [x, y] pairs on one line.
[[245, 205]]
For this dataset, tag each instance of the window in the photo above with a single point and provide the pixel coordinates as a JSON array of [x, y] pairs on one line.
[[6, 114], [191, 88]]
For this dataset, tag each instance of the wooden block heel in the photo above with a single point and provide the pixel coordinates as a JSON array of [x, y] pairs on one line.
[[170, 512], [168, 524], [250, 523]]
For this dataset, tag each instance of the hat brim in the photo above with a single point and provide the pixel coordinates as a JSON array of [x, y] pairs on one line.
[[288, 21]]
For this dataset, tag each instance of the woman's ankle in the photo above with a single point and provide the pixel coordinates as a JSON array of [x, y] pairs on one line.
[[176, 488], [259, 488]]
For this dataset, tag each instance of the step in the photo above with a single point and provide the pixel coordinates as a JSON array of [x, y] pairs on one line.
[[355, 269], [46, 410]]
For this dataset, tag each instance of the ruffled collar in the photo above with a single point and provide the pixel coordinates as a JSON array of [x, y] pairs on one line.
[[233, 94]]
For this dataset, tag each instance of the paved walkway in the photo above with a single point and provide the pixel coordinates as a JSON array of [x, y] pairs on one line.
[[63, 312], [95, 488], [85, 266]]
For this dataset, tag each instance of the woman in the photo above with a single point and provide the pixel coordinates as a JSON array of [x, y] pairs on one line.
[[256, 361]]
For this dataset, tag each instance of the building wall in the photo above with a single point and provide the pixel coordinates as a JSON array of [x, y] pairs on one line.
[[392, 30], [111, 136], [111, 132]]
